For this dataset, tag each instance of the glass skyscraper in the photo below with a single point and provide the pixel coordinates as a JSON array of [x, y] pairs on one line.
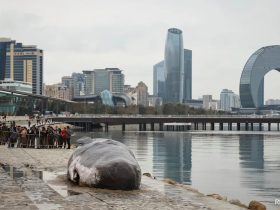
[[174, 66], [173, 76], [20, 62], [158, 80]]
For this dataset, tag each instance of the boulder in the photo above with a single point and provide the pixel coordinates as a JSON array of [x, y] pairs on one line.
[[104, 163], [256, 205]]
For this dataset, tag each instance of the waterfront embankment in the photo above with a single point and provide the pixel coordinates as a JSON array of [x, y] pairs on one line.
[[36, 179]]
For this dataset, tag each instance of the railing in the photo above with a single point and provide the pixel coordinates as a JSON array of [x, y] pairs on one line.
[[165, 116]]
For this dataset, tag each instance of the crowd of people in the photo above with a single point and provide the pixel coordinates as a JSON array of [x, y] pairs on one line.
[[35, 136]]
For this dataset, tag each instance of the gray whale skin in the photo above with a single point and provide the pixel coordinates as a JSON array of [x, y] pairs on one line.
[[104, 163]]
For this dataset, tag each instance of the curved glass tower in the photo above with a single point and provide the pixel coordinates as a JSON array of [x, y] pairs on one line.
[[174, 66], [251, 87]]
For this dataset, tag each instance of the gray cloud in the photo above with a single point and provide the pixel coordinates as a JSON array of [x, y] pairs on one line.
[[131, 35]]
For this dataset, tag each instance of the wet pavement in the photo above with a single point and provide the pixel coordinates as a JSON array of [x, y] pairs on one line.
[[36, 179]]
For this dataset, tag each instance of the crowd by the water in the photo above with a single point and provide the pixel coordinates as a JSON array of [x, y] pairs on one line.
[[35, 136]]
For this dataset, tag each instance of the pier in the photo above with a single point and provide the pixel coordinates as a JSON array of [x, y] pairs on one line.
[[175, 122]]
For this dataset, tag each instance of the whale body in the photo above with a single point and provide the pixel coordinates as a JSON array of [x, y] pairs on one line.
[[104, 163]]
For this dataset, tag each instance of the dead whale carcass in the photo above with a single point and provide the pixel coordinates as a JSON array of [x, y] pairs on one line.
[[104, 163]]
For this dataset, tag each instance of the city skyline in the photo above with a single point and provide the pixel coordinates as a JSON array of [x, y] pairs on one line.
[[222, 36]]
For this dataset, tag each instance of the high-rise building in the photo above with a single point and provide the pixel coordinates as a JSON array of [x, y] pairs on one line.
[[174, 66], [78, 84], [229, 100], [110, 79], [4, 42], [142, 94], [158, 80], [20, 62], [101, 80], [116, 79], [89, 82], [176, 86], [187, 74], [67, 81]]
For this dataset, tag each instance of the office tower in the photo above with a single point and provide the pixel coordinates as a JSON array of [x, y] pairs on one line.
[[174, 66], [187, 74], [158, 80], [89, 82], [177, 67], [67, 81], [101, 80], [116, 80], [98, 80], [20, 62], [78, 84], [4, 42]]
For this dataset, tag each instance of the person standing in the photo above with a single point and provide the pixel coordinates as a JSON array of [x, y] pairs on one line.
[[68, 137], [64, 136]]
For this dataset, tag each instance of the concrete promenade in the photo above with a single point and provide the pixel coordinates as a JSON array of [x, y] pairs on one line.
[[36, 179]]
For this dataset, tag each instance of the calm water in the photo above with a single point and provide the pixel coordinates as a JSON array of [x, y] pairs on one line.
[[239, 165]]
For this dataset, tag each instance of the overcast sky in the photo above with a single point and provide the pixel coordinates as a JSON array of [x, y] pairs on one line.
[[87, 34]]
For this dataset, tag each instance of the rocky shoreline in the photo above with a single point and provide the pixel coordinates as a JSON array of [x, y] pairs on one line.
[[36, 179]]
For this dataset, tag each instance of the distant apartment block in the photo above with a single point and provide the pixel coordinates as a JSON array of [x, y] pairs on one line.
[[142, 94], [138, 95], [272, 102], [229, 100], [207, 99], [210, 103], [57, 91]]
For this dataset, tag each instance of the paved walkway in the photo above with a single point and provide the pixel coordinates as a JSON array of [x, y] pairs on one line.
[[23, 185]]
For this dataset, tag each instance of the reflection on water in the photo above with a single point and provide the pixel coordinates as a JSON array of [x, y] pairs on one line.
[[259, 161], [239, 165], [251, 151], [172, 155]]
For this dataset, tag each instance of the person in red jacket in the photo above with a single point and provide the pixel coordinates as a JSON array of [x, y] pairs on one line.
[[64, 136]]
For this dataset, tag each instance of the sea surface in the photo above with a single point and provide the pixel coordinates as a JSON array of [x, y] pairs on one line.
[[240, 165]]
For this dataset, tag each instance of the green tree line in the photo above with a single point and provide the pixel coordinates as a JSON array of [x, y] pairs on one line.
[[166, 109]]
